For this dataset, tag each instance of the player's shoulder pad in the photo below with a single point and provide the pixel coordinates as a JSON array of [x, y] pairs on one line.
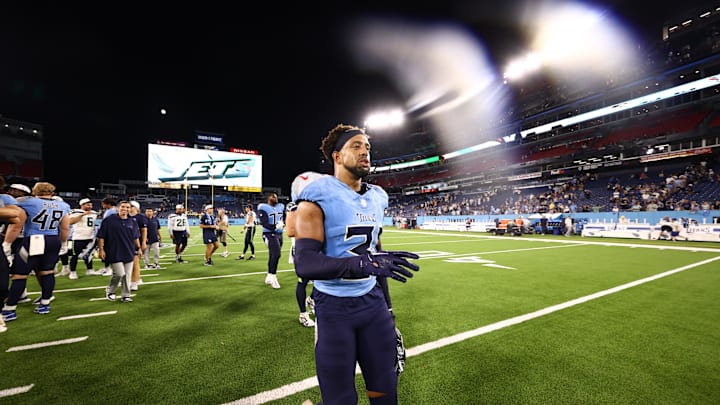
[[301, 181], [317, 190]]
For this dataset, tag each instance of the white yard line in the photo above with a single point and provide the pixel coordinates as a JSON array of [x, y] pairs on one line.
[[67, 318], [294, 388], [17, 390], [46, 344]]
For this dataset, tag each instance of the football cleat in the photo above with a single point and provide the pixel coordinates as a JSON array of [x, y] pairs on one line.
[[224, 254], [73, 275], [305, 320], [110, 296], [8, 316], [42, 309], [126, 299], [24, 299], [3, 328], [64, 272], [310, 304], [401, 356], [272, 280]]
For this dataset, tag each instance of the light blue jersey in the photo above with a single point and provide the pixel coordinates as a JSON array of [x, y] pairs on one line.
[[43, 215], [274, 215], [110, 211], [6, 200], [352, 224]]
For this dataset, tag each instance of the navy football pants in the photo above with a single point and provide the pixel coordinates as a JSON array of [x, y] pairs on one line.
[[351, 329]]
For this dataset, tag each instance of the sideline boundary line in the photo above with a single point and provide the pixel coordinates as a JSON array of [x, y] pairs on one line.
[[561, 241]]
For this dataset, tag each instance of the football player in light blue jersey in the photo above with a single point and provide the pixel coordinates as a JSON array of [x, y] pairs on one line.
[[46, 226], [338, 225], [272, 218], [9, 214], [303, 301], [109, 206], [20, 191]]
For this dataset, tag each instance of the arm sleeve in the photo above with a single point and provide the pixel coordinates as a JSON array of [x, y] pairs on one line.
[[311, 263]]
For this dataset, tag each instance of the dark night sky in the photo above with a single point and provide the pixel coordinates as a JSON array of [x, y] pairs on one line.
[[270, 77]]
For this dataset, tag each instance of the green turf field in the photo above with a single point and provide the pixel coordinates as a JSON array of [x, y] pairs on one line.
[[491, 320]]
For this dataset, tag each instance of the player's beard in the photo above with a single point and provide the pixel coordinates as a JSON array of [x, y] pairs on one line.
[[359, 171]]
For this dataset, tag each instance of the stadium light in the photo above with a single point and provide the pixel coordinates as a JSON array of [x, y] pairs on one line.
[[385, 119], [523, 66]]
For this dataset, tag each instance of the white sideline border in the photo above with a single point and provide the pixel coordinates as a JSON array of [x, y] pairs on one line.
[[296, 387], [559, 239]]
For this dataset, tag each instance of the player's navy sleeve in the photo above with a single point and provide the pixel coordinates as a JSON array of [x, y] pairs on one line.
[[312, 264], [264, 217]]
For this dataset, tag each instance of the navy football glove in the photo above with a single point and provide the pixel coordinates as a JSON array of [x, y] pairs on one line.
[[389, 264]]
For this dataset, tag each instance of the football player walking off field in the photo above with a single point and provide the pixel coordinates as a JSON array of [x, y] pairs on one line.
[[249, 230], [179, 229], [338, 226], [272, 219], [46, 225], [83, 237]]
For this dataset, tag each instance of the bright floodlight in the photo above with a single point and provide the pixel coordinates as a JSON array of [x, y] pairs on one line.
[[385, 119], [523, 66], [442, 71], [580, 41]]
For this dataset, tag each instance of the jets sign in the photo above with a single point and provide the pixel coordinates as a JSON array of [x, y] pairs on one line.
[[213, 169]]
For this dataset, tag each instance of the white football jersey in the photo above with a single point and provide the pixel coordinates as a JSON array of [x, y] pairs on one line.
[[85, 229], [178, 222]]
